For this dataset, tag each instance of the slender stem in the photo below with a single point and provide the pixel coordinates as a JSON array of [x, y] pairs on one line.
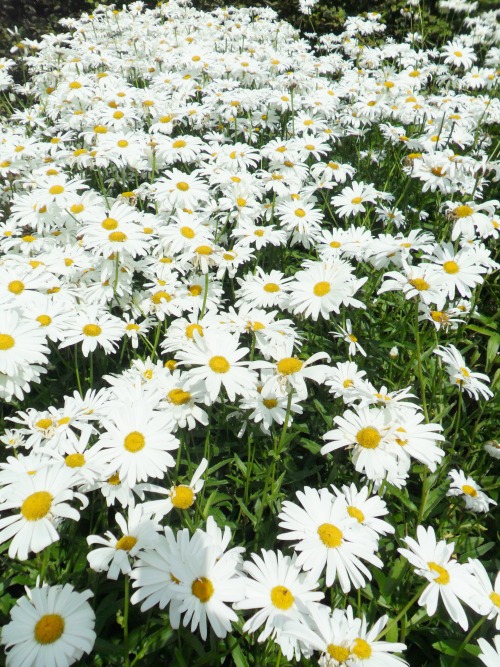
[[125, 622], [403, 611], [419, 364], [466, 641], [205, 294], [278, 659], [78, 382]]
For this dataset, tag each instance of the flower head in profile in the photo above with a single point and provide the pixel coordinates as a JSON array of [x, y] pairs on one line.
[[464, 486], [449, 581], [460, 375]]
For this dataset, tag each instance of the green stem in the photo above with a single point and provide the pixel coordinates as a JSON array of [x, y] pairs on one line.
[[126, 602], [419, 364], [205, 294], [403, 611], [466, 641]]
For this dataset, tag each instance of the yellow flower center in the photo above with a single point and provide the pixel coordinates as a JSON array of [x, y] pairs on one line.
[[204, 250], [56, 190], [463, 211], [36, 506], [114, 480], [49, 628], [347, 383], [322, 288], [118, 115], [352, 338], [134, 442], [187, 232], [44, 424], [469, 490], [132, 327], [159, 296], [439, 316], [361, 649], [75, 460], [109, 224], [495, 598], [282, 597], [458, 54], [117, 237], [444, 576], [419, 284], [179, 143], [191, 328], [44, 320], [451, 267], [219, 364], [183, 186], [126, 543], [92, 330], [437, 171], [357, 200], [368, 437], [355, 513], [289, 365], [182, 497], [271, 287], [270, 403], [330, 535], [122, 143], [195, 290], [178, 396], [241, 201], [16, 287], [300, 213], [339, 653], [203, 589]]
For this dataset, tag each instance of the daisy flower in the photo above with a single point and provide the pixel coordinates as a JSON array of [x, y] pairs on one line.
[[42, 502], [330, 631], [352, 199], [475, 499], [369, 652], [368, 432], [347, 336], [344, 379], [448, 580], [459, 55], [489, 595], [22, 343], [327, 535], [290, 372], [207, 582], [460, 270], [215, 362], [323, 288], [181, 496], [365, 509], [92, 327], [52, 625], [280, 592], [138, 533], [461, 375], [421, 281], [263, 290], [153, 577], [490, 655], [137, 441]]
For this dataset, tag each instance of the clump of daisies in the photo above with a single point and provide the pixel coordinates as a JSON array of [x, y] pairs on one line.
[[245, 285]]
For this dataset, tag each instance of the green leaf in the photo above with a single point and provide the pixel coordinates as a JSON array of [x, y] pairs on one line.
[[492, 348], [239, 657]]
